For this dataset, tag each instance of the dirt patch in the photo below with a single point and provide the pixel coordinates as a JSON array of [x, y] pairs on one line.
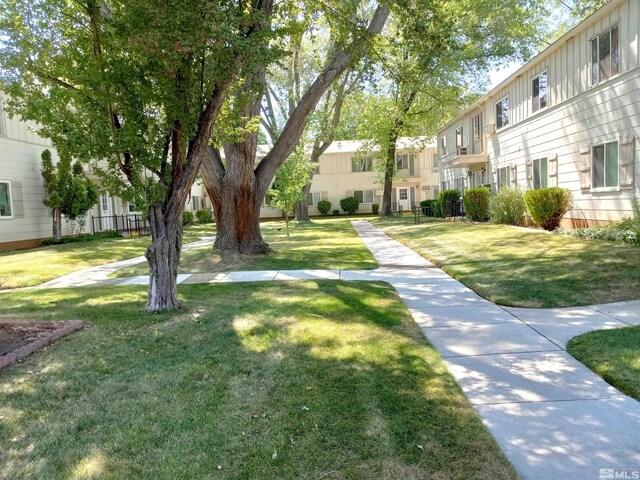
[[20, 339]]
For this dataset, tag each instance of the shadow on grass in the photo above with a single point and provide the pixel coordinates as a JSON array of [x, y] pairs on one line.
[[266, 381]]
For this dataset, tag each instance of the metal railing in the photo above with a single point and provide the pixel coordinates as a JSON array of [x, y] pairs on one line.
[[448, 211], [125, 224]]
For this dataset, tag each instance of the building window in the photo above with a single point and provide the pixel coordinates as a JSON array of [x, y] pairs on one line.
[[459, 137], [540, 92], [364, 164], [478, 178], [313, 198], [540, 173], [503, 177], [434, 160], [195, 202], [604, 167], [5, 200], [459, 183], [132, 208], [402, 162], [363, 196], [605, 56], [443, 145], [266, 201], [502, 113], [104, 204]]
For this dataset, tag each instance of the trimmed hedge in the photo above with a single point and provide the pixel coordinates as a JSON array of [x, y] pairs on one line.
[[204, 216], [350, 205], [449, 196], [82, 238], [324, 206], [476, 203], [188, 218], [507, 207], [547, 206], [375, 208]]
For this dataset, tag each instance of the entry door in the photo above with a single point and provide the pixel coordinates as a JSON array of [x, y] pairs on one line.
[[403, 198], [106, 213]]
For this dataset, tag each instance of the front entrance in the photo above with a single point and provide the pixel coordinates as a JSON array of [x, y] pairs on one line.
[[106, 212], [404, 202]]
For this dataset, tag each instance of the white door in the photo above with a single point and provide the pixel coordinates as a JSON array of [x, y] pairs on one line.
[[106, 213], [403, 198]]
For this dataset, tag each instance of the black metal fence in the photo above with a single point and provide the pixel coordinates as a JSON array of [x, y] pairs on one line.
[[124, 224], [447, 211]]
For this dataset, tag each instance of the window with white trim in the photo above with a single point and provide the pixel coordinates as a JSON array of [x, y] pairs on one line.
[[605, 56], [502, 113], [503, 177], [6, 210], [313, 198], [443, 145], [362, 164], [402, 162], [604, 165], [459, 137], [363, 196], [133, 208], [459, 185], [195, 202], [540, 172], [540, 92], [478, 178]]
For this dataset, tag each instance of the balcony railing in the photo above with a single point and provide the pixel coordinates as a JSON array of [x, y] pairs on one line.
[[132, 225]]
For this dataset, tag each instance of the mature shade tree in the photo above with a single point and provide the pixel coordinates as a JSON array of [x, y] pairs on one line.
[[137, 87], [69, 191], [235, 184]]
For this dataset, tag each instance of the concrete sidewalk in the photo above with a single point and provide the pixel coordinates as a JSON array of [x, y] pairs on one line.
[[553, 417]]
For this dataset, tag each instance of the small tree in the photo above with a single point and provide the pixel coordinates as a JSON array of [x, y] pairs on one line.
[[292, 175], [69, 191], [350, 205], [547, 206]]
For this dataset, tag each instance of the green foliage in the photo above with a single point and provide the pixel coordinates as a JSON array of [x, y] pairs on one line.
[[476, 203], [349, 205], [204, 216], [82, 238], [375, 208], [547, 206], [507, 207], [336, 213], [324, 206], [430, 208], [68, 189], [449, 196], [188, 218]]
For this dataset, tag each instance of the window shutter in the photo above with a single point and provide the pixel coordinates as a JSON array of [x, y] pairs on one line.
[[393, 195], [412, 163], [412, 195], [552, 162], [585, 167], [529, 174], [17, 200], [514, 175], [627, 145], [494, 179]]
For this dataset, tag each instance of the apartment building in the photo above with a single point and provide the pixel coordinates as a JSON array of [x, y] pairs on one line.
[[570, 117]]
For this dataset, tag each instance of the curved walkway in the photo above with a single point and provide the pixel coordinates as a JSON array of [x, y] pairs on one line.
[[553, 417]]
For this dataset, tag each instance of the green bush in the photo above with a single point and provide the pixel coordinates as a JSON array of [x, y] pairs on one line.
[[449, 196], [438, 208], [324, 206], [188, 218], [507, 207], [547, 206], [375, 208], [82, 238], [204, 216], [476, 203], [336, 213], [425, 204], [350, 205]]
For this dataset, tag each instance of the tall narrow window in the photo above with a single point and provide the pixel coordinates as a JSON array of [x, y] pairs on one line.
[[459, 137], [402, 162], [604, 165], [443, 145], [540, 173], [540, 92], [363, 164], [313, 198], [503, 177], [605, 56], [5, 200], [502, 113]]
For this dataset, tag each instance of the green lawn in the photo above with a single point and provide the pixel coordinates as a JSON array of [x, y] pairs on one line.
[[612, 354], [290, 380], [524, 268], [326, 243], [24, 268]]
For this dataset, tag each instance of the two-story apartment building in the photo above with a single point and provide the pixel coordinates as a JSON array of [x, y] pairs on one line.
[[570, 117]]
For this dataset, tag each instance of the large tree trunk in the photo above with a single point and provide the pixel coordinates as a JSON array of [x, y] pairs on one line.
[[389, 170], [302, 207], [163, 256], [57, 225]]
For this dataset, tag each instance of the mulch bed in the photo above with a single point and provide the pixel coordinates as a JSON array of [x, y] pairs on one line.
[[20, 339]]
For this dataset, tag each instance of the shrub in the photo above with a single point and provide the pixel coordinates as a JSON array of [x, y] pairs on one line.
[[547, 206], [324, 206], [375, 208], [476, 203], [350, 205], [449, 196], [507, 207], [188, 218], [204, 216], [82, 238], [428, 207], [336, 213], [438, 208]]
